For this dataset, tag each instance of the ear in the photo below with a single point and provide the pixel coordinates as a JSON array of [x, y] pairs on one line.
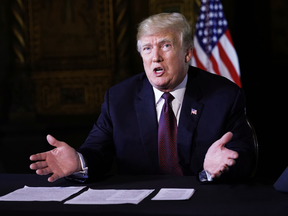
[[188, 55]]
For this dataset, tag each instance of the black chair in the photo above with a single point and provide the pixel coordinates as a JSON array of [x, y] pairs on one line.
[[255, 140]]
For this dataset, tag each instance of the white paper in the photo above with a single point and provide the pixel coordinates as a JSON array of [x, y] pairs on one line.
[[41, 193], [130, 195], [110, 196], [174, 194]]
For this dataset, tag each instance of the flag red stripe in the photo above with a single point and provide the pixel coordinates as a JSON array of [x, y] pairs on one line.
[[215, 65], [198, 62], [229, 65], [228, 35]]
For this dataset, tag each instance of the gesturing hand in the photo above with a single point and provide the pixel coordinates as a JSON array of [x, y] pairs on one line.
[[61, 161], [218, 158]]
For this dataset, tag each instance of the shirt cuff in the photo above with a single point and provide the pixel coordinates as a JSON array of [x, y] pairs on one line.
[[83, 164], [205, 176], [82, 175]]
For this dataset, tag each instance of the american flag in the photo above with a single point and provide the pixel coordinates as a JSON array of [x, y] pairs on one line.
[[213, 47], [193, 111]]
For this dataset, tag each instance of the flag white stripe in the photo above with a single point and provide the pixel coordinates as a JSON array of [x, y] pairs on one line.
[[222, 67], [200, 54], [231, 52]]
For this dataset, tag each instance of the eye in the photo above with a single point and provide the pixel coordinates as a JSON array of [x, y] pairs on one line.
[[167, 47], [146, 49]]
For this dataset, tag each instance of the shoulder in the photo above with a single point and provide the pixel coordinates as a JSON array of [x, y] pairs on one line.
[[209, 82], [129, 89], [133, 83]]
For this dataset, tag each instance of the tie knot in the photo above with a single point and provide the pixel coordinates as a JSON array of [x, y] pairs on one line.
[[168, 97]]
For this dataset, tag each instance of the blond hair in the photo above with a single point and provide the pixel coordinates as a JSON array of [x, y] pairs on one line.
[[164, 22]]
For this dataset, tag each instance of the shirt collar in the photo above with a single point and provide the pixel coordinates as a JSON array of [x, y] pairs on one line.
[[178, 92]]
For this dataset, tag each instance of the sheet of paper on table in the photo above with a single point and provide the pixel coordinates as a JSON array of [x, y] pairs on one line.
[[174, 194], [41, 193], [110, 196]]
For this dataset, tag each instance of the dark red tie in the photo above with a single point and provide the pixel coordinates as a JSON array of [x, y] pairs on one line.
[[167, 139]]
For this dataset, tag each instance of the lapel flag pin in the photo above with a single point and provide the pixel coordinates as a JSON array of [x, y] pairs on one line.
[[193, 111]]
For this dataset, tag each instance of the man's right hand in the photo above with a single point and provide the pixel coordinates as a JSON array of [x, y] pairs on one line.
[[61, 161]]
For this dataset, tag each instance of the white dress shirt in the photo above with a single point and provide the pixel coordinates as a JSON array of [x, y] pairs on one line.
[[176, 104]]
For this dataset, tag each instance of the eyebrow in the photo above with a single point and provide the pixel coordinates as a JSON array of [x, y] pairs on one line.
[[160, 41]]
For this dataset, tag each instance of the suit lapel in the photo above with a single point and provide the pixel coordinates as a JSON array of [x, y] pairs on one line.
[[147, 121], [190, 114]]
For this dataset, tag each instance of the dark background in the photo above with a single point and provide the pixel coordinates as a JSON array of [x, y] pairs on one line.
[[259, 30]]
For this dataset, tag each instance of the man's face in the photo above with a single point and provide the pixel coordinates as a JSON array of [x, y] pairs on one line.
[[164, 60]]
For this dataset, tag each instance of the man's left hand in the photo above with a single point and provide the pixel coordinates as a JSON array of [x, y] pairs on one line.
[[218, 158]]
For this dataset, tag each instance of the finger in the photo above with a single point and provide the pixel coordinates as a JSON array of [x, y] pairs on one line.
[[224, 139], [53, 178], [52, 141], [212, 176], [44, 171], [39, 156], [232, 154], [42, 156], [226, 169], [222, 170], [38, 165], [230, 162], [216, 175]]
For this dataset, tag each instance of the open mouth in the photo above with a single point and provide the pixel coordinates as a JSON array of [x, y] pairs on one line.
[[158, 70]]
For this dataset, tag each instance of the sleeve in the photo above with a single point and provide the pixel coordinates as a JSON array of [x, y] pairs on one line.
[[241, 142], [98, 149]]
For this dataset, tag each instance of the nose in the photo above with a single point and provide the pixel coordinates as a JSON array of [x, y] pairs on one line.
[[156, 56]]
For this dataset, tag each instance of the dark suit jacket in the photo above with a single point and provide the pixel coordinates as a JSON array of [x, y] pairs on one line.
[[128, 127]]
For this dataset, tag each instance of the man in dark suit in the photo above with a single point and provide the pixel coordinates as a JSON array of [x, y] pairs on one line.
[[212, 139]]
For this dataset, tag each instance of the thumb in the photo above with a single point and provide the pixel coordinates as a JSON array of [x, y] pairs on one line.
[[52, 141], [224, 139]]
